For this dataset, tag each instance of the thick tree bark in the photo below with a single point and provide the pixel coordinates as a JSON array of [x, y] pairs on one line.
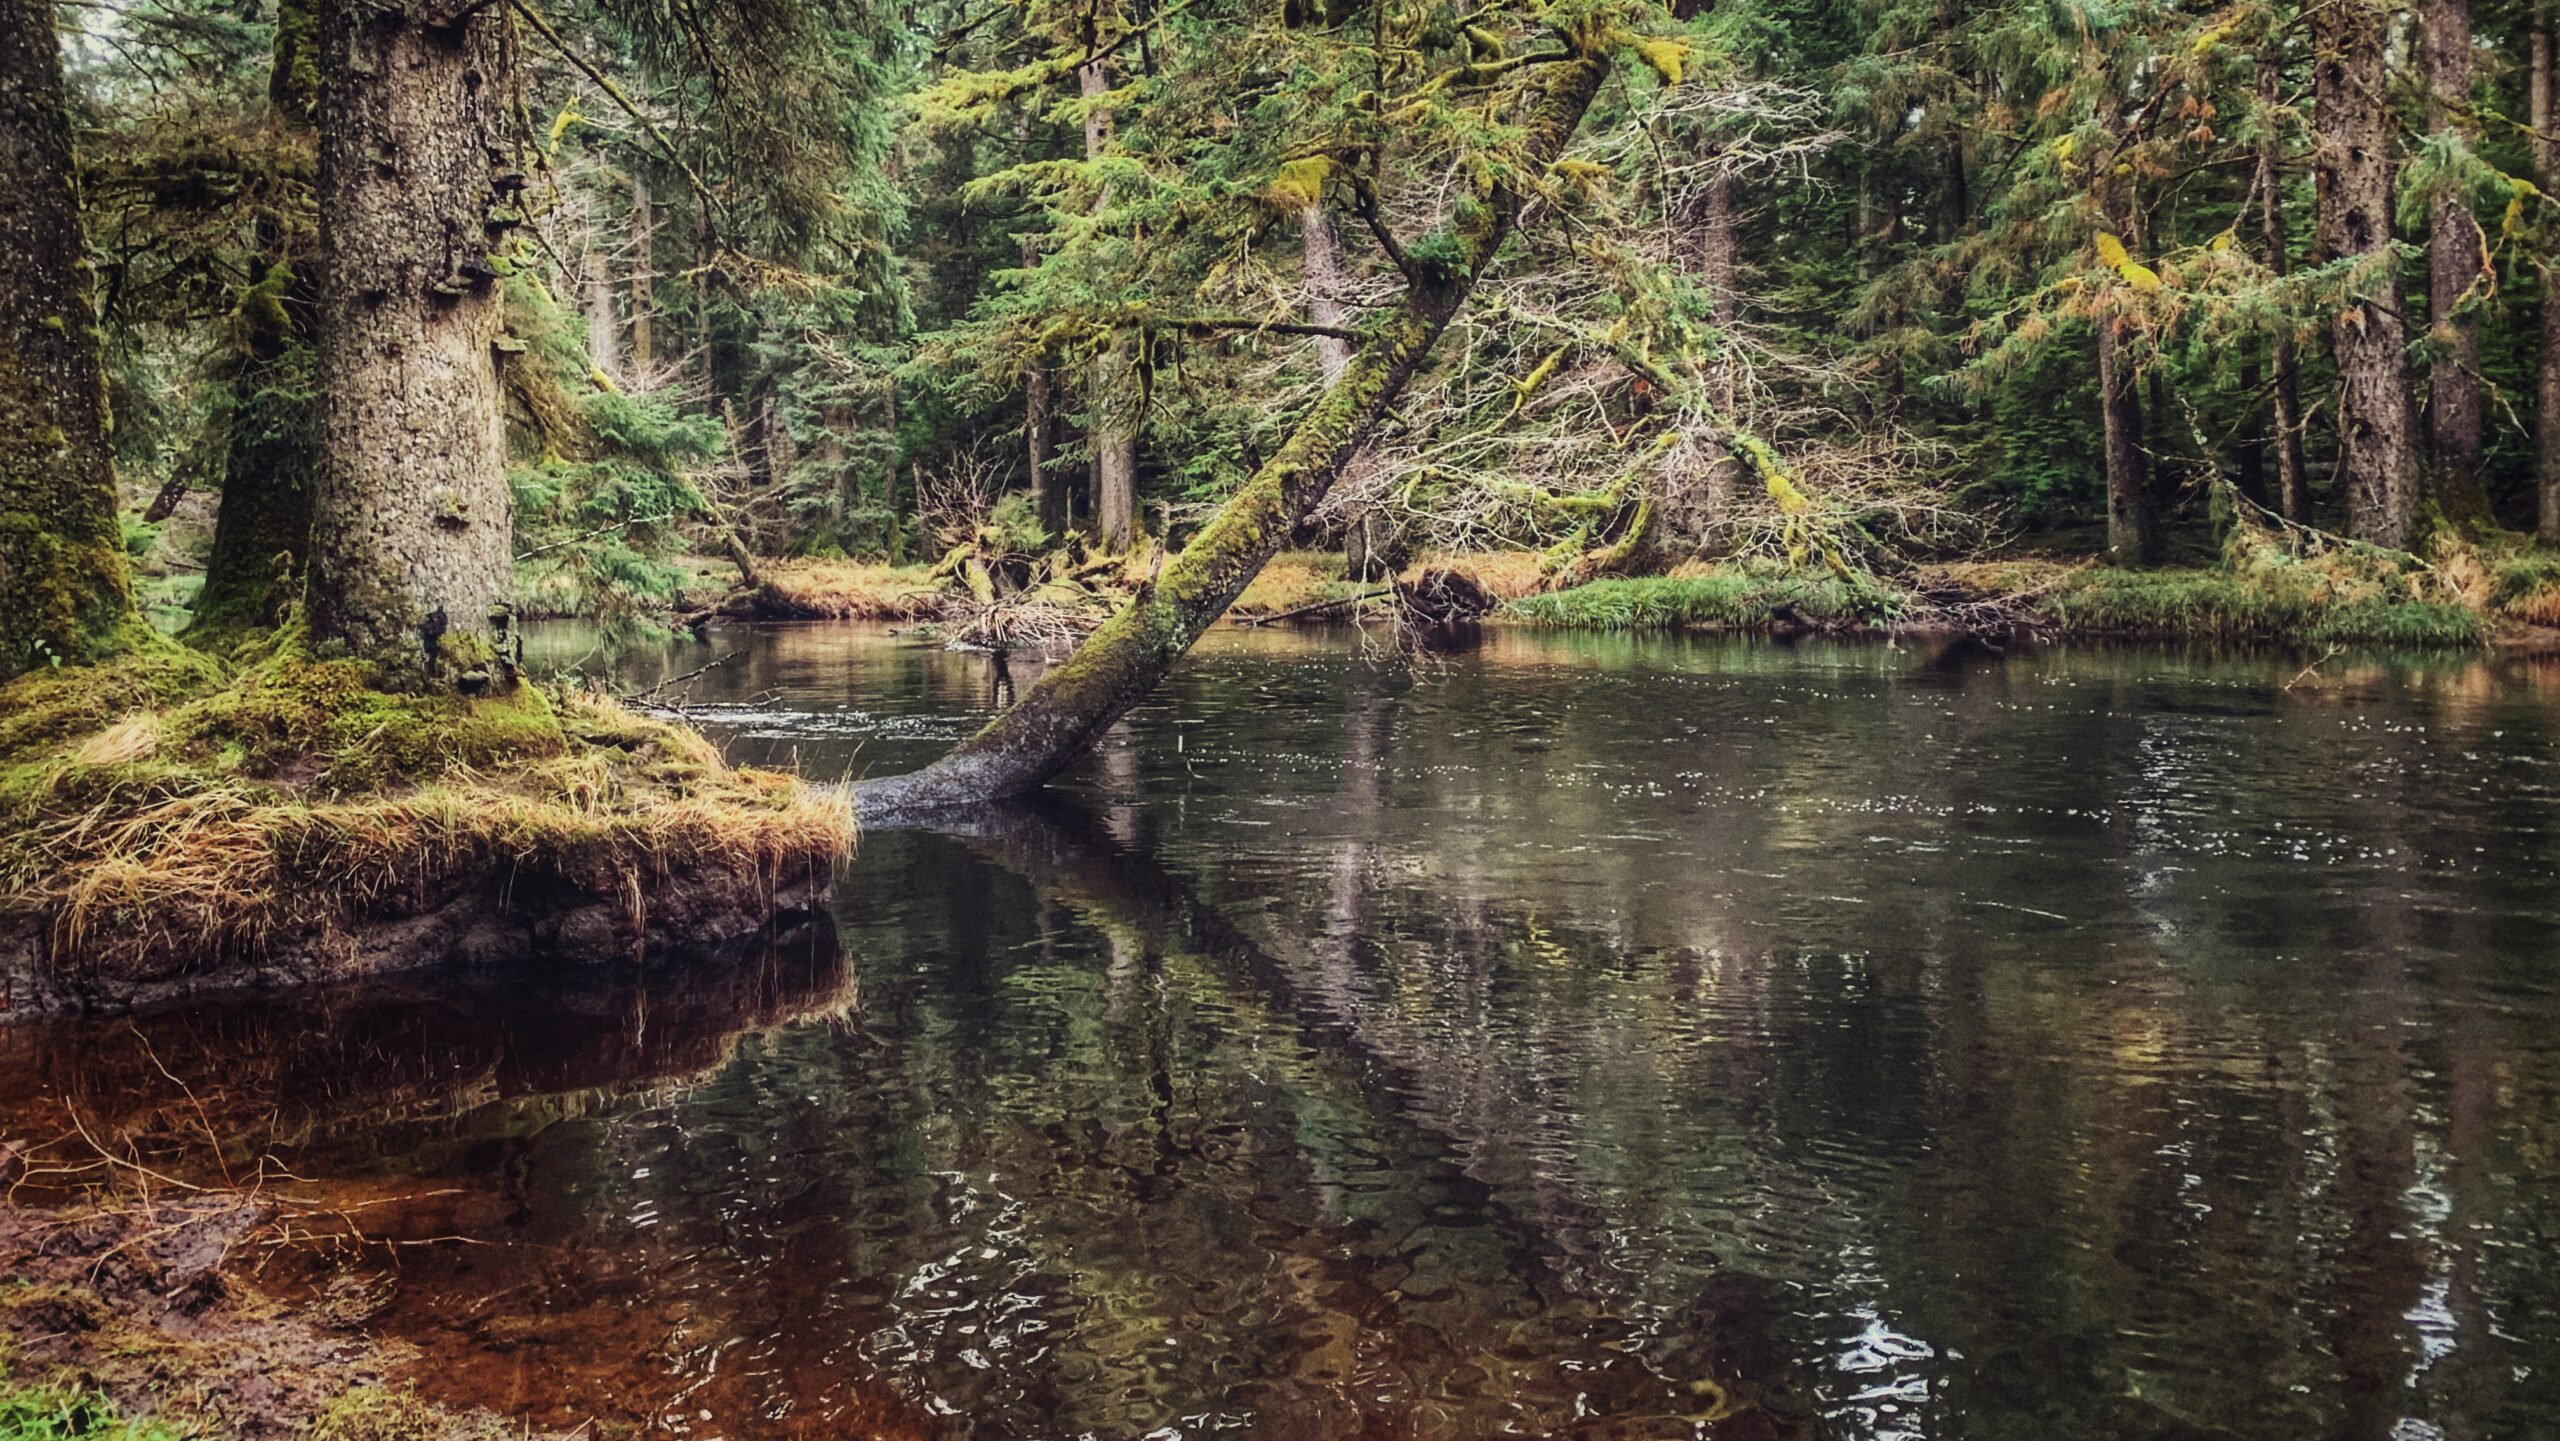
[[64, 596], [1112, 432], [262, 533], [2545, 106], [2453, 268], [2377, 423], [2293, 485], [410, 554], [1119, 664]]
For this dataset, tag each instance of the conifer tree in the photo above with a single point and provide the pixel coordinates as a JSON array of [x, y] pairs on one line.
[[64, 596]]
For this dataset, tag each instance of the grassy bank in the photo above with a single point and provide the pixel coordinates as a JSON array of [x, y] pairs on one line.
[[838, 590], [1296, 580], [168, 813], [1707, 597], [2300, 605]]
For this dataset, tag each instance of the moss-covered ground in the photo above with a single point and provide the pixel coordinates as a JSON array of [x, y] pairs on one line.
[[168, 803], [2467, 597]]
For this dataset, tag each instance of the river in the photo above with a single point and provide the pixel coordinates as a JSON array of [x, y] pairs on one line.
[[1560, 1036]]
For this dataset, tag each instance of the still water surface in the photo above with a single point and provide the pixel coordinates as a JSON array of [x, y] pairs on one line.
[[1567, 1037]]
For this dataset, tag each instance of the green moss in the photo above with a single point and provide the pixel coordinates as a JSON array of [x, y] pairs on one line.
[[2289, 604], [56, 1413], [292, 711], [1741, 598], [2268, 602], [42, 709]]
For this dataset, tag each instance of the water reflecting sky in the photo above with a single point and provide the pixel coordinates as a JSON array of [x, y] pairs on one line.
[[1581, 1036]]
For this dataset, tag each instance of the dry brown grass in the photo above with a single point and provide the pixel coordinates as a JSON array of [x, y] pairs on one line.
[[1506, 575], [169, 835], [840, 590]]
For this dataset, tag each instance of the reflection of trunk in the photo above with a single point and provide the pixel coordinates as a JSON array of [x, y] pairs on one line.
[[2453, 267], [2293, 488], [1723, 1337], [63, 593], [409, 543], [2377, 429], [263, 530], [1113, 430], [1119, 664]]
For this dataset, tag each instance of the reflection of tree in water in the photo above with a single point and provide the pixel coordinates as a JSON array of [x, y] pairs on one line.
[[1367, 1277], [1964, 1051]]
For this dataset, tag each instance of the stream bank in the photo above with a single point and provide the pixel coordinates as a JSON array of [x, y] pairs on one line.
[[172, 821]]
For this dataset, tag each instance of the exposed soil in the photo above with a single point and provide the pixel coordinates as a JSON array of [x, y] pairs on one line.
[[153, 1303]]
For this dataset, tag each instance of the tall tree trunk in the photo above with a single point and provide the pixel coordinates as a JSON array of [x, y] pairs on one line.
[[64, 596], [2453, 268], [410, 534], [1328, 281], [595, 297], [2377, 424], [1119, 664], [1368, 548], [2545, 105], [1040, 431], [644, 225], [1112, 432], [2133, 531], [2293, 486], [1711, 252], [262, 533]]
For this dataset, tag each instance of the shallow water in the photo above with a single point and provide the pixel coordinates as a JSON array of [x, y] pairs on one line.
[[1582, 1036]]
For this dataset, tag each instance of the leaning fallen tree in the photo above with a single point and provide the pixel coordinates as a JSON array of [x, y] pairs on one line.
[[1119, 664]]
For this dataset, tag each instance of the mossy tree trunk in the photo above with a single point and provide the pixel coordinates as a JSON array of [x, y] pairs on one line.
[[2544, 100], [64, 596], [2454, 245], [410, 555], [2351, 158], [262, 533], [2293, 485], [1118, 665]]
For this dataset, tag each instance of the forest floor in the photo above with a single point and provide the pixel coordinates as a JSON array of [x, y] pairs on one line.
[[132, 1321], [172, 819]]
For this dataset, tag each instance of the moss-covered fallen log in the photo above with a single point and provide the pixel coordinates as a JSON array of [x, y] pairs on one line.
[[1117, 666]]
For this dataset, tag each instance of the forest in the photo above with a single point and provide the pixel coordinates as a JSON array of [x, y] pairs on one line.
[[1740, 582]]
